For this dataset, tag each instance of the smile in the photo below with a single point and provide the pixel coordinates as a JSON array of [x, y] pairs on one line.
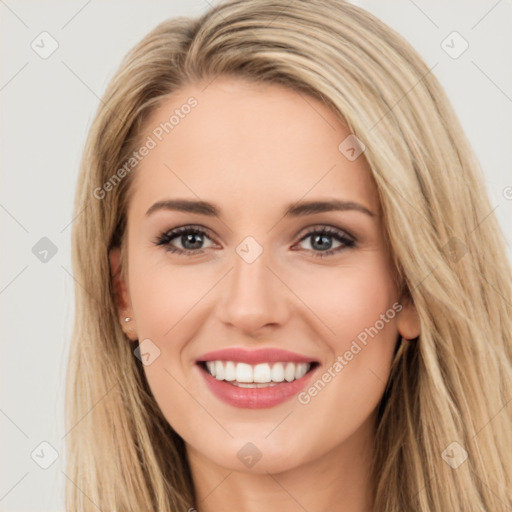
[[255, 379], [256, 376]]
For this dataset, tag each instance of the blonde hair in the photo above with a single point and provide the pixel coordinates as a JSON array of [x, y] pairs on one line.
[[451, 385]]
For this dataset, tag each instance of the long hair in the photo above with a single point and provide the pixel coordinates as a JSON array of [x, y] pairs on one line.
[[443, 433]]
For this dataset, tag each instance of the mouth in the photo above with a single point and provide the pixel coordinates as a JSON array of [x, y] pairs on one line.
[[257, 378], [261, 375], [257, 386]]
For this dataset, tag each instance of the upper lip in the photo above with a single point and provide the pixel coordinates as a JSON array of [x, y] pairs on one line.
[[254, 356]]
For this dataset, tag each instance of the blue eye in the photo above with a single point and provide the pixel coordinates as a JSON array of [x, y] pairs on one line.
[[189, 237], [192, 239], [321, 238]]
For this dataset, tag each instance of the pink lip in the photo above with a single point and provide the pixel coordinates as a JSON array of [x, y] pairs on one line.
[[262, 355], [255, 398]]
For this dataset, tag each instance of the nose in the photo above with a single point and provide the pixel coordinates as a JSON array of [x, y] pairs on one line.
[[254, 297]]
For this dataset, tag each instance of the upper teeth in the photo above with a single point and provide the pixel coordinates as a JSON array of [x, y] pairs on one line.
[[263, 372]]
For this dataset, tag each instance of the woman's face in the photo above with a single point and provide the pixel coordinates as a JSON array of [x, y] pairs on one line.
[[316, 281]]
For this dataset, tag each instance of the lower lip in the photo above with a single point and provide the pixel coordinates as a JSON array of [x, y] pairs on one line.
[[255, 398]]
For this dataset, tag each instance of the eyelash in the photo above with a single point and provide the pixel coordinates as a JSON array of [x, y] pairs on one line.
[[165, 238]]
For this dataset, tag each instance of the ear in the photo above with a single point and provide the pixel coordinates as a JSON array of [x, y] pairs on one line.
[[408, 320], [122, 295]]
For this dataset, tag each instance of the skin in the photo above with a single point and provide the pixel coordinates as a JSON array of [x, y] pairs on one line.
[[253, 149]]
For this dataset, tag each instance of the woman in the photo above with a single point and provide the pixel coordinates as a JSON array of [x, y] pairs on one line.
[[293, 293]]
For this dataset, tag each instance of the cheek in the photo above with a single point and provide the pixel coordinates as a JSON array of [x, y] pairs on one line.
[[164, 296], [361, 310], [170, 303], [358, 305], [167, 303], [348, 298]]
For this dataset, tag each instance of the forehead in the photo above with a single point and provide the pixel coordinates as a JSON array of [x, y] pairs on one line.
[[244, 143]]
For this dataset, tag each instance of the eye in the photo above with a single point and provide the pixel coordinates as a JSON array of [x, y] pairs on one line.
[[321, 239], [191, 239]]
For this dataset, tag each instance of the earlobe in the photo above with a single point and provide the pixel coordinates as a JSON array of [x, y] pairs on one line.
[[121, 295], [408, 321]]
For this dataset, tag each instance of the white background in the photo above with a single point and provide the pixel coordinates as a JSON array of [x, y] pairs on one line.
[[47, 107]]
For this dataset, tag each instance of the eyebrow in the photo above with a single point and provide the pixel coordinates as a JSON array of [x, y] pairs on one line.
[[294, 210]]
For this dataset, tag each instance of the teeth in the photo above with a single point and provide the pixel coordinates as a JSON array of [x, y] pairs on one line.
[[262, 373], [300, 371], [277, 372], [229, 371], [254, 384], [266, 374], [243, 372], [289, 372], [219, 370]]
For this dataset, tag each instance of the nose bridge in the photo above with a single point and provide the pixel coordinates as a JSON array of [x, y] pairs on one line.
[[253, 296]]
